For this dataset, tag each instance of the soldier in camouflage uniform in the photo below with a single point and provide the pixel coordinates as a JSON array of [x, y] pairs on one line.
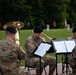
[[72, 58], [31, 43], [10, 54]]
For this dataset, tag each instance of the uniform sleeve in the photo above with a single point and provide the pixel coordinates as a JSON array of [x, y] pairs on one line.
[[74, 53], [72, 58], [30, 46]]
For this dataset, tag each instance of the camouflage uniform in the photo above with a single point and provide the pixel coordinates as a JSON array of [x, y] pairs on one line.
[[72, 56], [72, 60], [34, 61], [10, 54]]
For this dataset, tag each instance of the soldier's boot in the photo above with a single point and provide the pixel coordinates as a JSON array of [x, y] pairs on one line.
[[51, 70], [74, 70], [38, 72]]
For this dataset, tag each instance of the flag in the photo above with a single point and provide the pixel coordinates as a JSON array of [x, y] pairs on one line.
[[54, 24], [0, 25]]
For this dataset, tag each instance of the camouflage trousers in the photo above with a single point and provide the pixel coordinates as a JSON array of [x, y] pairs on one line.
[[46, 60], [72, 64], [68, 74], [21, 72]]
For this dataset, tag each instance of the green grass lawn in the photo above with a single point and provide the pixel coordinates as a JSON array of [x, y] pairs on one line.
[[59, 34]]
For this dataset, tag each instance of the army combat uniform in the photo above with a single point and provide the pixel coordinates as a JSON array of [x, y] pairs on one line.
[[34, 61], [72, 60], [10, 54]]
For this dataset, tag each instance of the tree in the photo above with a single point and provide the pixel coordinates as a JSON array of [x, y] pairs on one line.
[[56, 10], [35, 11], [72, 12], [12, 10]]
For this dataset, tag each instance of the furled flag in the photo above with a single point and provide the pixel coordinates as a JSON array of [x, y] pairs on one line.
[[0, 25], [54, 24]]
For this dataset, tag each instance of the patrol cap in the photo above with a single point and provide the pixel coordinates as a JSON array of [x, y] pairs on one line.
[[11, 29], [38, 29], [74, 30]]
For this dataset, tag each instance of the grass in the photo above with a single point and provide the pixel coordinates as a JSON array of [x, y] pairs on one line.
[[59, 34]]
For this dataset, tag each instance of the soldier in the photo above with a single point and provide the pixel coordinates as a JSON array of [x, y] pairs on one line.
[[10, 54], [72, 56], [73, 35], [72, 60], [33, 61]]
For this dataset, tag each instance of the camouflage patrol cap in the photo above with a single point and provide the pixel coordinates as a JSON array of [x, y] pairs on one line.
[[38, 29], [11, 29]]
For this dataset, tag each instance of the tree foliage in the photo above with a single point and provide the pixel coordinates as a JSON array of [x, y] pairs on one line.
[[38, 12], [72, 12]]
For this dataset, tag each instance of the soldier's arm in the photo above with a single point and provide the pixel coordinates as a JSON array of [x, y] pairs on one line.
[[29, 45], [74, 53]]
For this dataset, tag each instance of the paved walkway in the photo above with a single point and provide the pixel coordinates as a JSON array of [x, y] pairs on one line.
[[33, 72]]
